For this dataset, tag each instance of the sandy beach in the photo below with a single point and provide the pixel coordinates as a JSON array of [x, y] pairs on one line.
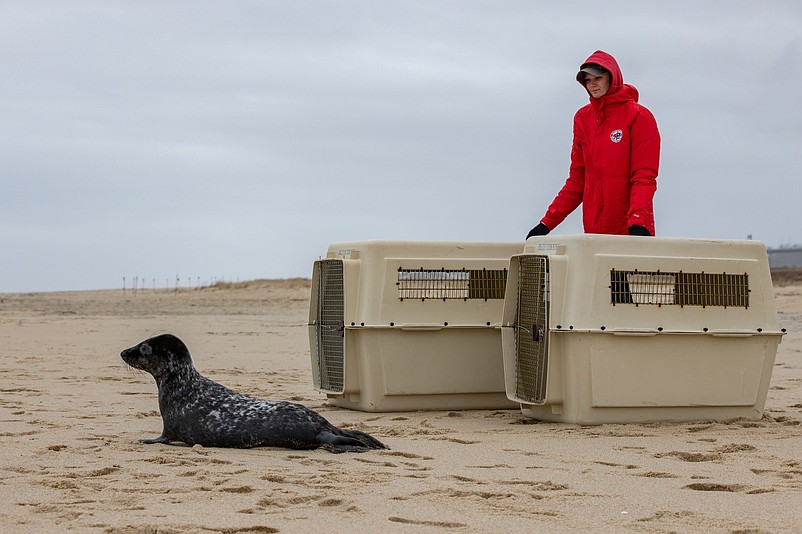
[[72, 413]]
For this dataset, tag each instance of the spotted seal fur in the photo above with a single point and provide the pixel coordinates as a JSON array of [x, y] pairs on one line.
[[196, 410]]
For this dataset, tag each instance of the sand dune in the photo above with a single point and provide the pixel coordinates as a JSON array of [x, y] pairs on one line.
[[72, 414]]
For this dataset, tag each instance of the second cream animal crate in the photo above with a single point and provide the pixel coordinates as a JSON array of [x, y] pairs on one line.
[[616, 329], [401, 326]]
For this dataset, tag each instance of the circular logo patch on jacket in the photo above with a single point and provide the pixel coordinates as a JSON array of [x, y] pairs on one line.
[[616, 136]]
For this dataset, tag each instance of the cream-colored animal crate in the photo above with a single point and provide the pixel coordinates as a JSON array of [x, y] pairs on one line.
[[399, 326], [614, 329]]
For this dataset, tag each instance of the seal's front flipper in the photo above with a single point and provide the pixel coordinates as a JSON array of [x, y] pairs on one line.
[[160, 439], [338, 448]]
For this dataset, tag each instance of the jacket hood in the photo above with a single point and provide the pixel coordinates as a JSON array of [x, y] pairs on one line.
[[618, 89]]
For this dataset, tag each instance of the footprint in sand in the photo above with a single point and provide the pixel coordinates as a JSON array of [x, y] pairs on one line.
[[690, 456], [441, 524]]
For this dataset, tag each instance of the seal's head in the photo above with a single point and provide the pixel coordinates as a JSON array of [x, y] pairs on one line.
[[160, 356]]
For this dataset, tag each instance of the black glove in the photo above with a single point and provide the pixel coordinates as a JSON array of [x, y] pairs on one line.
[[639, 230], [540, 229]]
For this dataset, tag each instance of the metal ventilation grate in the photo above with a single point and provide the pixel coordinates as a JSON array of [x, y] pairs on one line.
[[679, 288], [531, 330], [329, 328], [446, 284]]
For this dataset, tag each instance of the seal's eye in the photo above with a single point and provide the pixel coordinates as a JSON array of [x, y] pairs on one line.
[[145, 349]]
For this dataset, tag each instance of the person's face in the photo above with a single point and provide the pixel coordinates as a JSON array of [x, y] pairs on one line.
[[597, 85]]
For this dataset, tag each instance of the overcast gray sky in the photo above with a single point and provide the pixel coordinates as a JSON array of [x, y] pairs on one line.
[[237, 140]]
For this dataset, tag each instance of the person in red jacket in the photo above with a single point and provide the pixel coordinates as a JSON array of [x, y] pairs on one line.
[[614, 157]]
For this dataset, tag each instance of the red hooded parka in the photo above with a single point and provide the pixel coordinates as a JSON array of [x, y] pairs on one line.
[[614, 160]]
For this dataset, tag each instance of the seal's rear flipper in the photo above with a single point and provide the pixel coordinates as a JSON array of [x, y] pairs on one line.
[[348, 441], [365, 439]]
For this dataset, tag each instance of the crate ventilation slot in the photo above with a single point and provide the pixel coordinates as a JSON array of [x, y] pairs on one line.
[[679, 288], [448, 284]]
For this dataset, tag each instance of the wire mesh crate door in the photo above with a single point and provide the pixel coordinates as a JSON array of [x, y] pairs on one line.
[[531, 330], [330, 326]]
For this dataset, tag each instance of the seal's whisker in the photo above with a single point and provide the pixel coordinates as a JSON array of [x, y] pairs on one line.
[[134, 371]]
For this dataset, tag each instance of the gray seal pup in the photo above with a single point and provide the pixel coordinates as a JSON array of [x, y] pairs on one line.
[[196, 410]]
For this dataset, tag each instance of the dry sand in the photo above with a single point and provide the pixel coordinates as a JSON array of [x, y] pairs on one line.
[[72, 413]]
